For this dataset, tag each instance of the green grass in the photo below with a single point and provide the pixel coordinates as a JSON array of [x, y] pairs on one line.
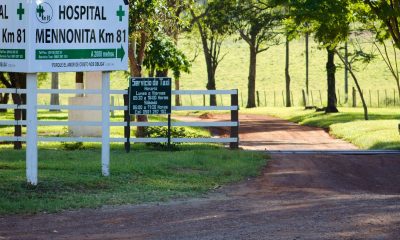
[[380, 132], [72, 179]]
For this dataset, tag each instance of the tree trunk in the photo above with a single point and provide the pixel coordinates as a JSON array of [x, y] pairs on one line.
[[287, 75], [331, 70], [54, 98], [349, 68], [346, 73], [211, 85], [136, 58], [18, 80], [307, 63], [4, 100], [177, 96], [251, 98]]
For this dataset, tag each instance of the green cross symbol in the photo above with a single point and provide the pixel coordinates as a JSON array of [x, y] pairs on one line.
[[120, 13], [20, 11], [40, 10]]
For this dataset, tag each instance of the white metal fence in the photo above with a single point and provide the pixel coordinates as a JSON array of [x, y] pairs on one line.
[[32, 122]]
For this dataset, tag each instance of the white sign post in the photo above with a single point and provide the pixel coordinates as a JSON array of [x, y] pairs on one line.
[[63, 36]]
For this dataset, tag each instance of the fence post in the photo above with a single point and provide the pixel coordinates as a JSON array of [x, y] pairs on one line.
[[378, 99], [31, 130], [312, 98], [304, 97], [320, 97], [354, 97], [105, 146], [265, 98], [370, 98], [291, 98], [127, 128], [235, 118], [204, 100], [386, 98], [258, 98]]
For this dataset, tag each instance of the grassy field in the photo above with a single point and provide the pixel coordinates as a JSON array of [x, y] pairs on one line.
[[72, 179], [380, 132], [233, 73]]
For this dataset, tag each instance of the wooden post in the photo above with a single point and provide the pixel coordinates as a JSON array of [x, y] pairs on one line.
[[378, 99], [31, 130], [304, 97], [312, 98], [320, 97], [204, 100], [354, 97], [235, 118], [127, 128], [370, 98], [265, 98], [105, 146], [386, 98], [258, 98], [291, 94], [169, 131]]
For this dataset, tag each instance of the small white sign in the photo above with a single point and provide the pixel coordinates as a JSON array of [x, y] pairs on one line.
[[63, 35]]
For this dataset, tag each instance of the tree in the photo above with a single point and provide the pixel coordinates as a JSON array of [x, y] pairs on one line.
[[212, 21], [16, 80], [144, 23], [358, 55], [163, 55], [387, 11], [329, 20], [383, 18], [256, 23]]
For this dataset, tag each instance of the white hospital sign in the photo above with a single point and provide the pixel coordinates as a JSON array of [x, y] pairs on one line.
[[63, 35]]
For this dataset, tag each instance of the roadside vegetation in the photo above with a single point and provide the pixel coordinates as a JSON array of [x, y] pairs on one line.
[[72, 179]]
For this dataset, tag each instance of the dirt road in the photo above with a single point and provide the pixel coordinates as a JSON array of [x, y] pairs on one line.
[[270, 133], [309, 197]]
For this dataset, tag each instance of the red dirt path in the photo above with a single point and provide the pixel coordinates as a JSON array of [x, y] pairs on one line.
[[271, 133]]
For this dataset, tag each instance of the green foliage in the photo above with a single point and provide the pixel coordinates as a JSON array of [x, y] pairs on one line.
[[328, 19], [72, 146], [162, 54], [176, 132]]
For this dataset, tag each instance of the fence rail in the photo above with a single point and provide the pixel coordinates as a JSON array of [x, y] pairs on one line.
[[233, 124]]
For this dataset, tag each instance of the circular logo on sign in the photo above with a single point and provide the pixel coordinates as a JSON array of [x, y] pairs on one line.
[[44, 12]]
